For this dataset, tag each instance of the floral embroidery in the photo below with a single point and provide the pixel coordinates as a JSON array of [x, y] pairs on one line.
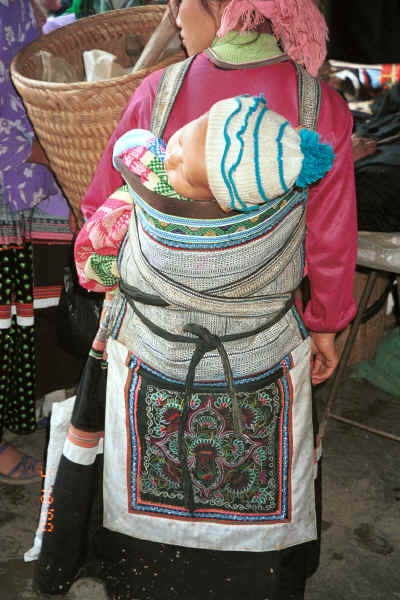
[[234, 477]]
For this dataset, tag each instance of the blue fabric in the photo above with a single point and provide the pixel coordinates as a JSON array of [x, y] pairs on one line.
[[138, 137]]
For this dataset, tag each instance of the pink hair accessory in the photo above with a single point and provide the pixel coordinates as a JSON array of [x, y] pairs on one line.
[[298, 24]]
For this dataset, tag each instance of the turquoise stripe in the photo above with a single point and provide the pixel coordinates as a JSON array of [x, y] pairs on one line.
[[233, 168], [257, 154], [280, 150], [227, 146]]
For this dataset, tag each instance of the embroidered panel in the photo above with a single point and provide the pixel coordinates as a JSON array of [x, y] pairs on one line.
[[222, 232], [235, 478]]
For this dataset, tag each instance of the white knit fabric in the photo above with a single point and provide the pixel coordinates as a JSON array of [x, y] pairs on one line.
[[231, 155]]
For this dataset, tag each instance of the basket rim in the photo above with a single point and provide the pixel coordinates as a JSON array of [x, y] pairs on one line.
[[77, 25], [87, 85]]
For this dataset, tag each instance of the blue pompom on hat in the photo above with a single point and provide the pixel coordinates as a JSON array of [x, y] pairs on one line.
[[260, 155]]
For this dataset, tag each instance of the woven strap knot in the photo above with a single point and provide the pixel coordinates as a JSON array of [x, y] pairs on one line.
[[206, 339], [206, 343]]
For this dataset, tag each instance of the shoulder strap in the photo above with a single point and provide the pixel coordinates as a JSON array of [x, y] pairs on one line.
[[309, 93], [168, 89], [309, 90]]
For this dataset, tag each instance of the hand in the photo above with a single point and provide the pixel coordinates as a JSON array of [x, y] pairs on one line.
[[362, 146], [324, 358], [39, 12], [37, 155], [53, 5]]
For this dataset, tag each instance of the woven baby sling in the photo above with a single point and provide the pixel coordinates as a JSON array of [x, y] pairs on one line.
[[170, 84]]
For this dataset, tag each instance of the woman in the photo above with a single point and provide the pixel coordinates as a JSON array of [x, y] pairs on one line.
[[33, 215], [208, 465]]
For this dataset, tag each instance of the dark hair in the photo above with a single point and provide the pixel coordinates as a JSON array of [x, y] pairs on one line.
[[174, 8]]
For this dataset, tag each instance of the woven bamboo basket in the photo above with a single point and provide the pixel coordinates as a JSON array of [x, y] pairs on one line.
[[73, 121]]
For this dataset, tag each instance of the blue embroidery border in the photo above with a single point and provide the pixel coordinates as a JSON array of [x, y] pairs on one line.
[[193, 242]]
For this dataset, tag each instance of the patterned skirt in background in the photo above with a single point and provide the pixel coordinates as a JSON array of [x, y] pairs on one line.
[[34, 247], [17, 340]]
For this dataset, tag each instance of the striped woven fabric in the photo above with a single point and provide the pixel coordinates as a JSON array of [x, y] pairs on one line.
[[229, 274]]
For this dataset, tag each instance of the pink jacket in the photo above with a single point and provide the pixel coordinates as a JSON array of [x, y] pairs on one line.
[[331, 241]]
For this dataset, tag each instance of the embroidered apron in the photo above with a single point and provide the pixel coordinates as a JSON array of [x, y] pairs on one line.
[[208, 435]]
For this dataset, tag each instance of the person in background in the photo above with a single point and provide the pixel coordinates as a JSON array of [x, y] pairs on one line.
[[33, 214]]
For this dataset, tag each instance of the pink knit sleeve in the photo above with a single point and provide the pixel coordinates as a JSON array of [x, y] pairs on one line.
[[98, 243]]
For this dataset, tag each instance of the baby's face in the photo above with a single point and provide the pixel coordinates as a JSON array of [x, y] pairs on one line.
[[185, 160]]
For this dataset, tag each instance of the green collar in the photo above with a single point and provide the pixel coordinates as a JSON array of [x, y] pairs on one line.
[[246, 47]]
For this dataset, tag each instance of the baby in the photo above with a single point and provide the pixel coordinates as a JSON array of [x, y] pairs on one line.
[[239, 154]]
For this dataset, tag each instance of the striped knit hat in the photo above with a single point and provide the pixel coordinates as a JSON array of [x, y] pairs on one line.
[[261, 156]]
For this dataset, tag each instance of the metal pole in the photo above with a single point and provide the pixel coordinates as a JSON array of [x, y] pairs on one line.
[[337, 378], [391, 436]]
